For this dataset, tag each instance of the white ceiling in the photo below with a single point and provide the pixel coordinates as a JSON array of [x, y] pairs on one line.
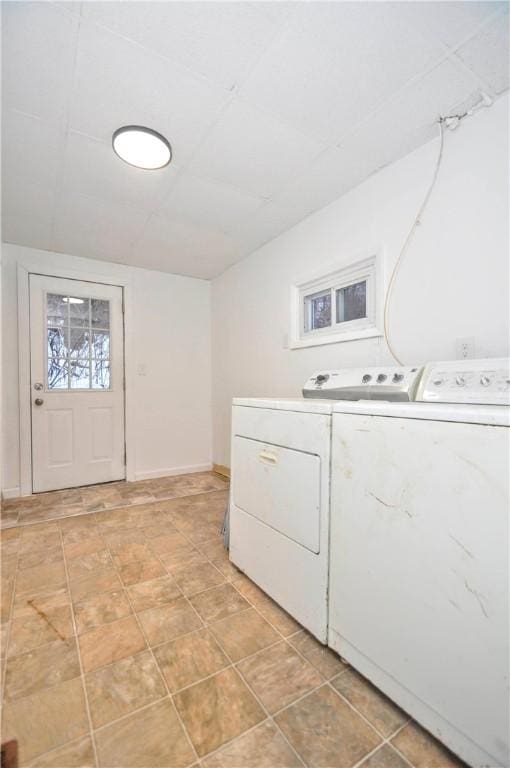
[[273, 110]]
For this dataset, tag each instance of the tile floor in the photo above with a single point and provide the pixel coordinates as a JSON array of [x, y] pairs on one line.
[[129, 639]]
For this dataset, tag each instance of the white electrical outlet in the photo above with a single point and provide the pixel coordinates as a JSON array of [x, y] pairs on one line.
[[465, 348]]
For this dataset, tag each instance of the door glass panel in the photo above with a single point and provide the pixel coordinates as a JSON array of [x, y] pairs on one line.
[[101, 374], [58, 312], [101, 345], [79, 311], [100, 313], [58, 373], [78, 342], [80, 374]]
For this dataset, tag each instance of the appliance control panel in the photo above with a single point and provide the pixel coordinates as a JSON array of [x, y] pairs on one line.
[[480, 382], [397, 383]]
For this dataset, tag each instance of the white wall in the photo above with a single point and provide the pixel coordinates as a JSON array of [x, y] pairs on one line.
[[171, 338], [453, 282]]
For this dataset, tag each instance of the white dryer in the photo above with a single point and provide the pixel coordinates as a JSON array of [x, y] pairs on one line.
[[280, 486], [419, 577]]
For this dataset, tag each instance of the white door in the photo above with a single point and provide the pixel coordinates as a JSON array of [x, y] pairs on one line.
[[77, 383]]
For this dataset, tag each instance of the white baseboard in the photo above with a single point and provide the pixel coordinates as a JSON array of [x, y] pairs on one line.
[[11, 493], [170, 471]]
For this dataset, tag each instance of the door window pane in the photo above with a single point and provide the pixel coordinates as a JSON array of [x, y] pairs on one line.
[[351, 302], [58, 373], [79, 311], [78, 342], [101, 374], [80, 374], [100, 313], [100, 345]]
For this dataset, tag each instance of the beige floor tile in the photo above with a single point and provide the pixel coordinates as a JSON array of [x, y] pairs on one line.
[[86, 546], [228, 569], [214, 549], [130, 553], [39, 577], [243, 633], [217, 709], [100, 609], [185, 556], [384, 757], [41, 557], [110, 642], [279, 676], [326, 732], [169, 621], [250, 590], [157, 529], [77, 754], [9, 566], [6, 598], [9, 547], [189, 659], [169, 543], [219, 602], [84, 565], [423, 750], [40, 601], [123, 687], [144, 570], [323, 658], [41, 668], [151, 594], [40, 627], [263, 747], [102, 580], [279, 618], [379, 710], [152, 738], [195, 578], [47, 719], [118, 538], [202, 533], [34, 542]]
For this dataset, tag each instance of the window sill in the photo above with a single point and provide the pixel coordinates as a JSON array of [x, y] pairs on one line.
[[335, 338]]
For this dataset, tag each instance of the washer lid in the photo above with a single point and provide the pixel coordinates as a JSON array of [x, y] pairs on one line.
[[299, 404], [495, 415]]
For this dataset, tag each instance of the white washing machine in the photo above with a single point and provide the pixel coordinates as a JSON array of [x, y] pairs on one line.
[[280, 487], [419, 575]]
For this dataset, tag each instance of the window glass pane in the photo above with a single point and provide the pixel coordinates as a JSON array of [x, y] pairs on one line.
[[318, 311], [79, 343], [57, 373], [57, 342], [100, 344], [101, 374], [351, 302], [79, 311], [80, 374], [57, 309], [100, 313]]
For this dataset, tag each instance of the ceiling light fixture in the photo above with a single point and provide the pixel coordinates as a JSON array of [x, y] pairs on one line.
[[141, 147]]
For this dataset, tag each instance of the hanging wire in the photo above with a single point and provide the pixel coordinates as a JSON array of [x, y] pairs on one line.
[[409, 237]]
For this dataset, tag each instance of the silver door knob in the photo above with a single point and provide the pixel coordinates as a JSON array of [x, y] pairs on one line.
[[38, 401], [38, 386]]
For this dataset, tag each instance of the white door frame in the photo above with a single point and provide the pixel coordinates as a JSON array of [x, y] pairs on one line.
[[25, 394]]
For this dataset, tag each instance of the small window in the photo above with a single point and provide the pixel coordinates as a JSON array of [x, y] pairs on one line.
[[338, 306]]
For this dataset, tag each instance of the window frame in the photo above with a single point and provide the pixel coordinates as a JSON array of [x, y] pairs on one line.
[[366, 270]]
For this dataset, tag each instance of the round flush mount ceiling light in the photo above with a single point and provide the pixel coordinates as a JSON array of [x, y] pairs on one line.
[[141, 147]]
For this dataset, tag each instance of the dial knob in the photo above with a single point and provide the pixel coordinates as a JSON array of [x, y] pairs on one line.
[[437, 382], [382, 377], [485, 381], [366, 378], [460, 381], [397, 377]]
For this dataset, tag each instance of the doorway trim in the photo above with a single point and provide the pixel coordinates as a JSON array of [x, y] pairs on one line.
[[25, 415]]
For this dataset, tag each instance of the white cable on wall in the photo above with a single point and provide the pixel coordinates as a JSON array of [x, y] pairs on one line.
[[408, 239]]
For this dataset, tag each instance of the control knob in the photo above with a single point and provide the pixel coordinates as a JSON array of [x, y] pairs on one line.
[[437, 382], [397, 377], [366, 378], [382, 377], [485, 381], [460, 381]]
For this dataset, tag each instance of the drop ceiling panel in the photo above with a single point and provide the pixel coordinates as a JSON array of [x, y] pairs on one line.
[[27, 212], [119, 83], [92, 168], [251, 149], [38, 44], [219, 41], [337, 62], [488, 53], [35, 147], [451, 21]]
